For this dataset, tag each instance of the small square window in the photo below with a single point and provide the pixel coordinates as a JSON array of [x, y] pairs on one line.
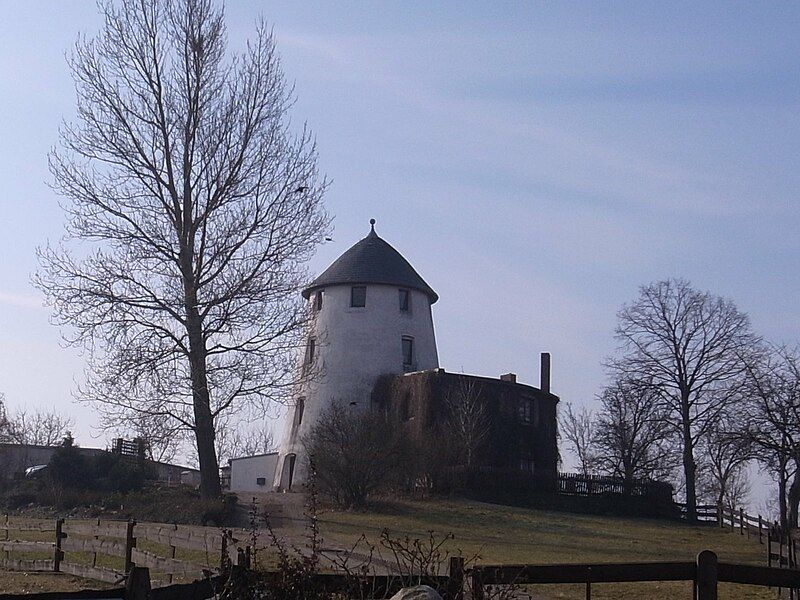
[[261, 481], [318, 300], [358, 296], [405, 301], [525, 409]]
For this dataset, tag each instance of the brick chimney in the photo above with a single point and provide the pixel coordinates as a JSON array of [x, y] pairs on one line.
[[544, 377], [512, 377]]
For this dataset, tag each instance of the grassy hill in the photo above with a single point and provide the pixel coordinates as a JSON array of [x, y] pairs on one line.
[[501, 534]]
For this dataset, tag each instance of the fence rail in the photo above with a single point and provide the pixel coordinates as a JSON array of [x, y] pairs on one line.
[[108, 550], [705, 573]]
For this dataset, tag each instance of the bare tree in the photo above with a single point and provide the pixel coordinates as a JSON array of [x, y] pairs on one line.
[[237, 438], [5, 424], [772, 423], [689, 344], [467, 422], [631, 436], [579, 430], [726, 454], [194, 207], [163, 436], [39, 428], [354, 454]]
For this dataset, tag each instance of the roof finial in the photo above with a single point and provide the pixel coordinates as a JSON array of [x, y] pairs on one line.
[[372, 225]]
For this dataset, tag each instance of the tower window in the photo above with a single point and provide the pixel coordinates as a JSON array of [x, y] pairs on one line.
[[318, 300], [298, 411], [311, 349], [358, 296], [405, 301], [408, 354]]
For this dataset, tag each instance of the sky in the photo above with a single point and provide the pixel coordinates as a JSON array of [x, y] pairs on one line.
[[535, 162]]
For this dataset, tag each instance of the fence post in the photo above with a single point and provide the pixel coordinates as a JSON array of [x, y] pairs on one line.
[[137, 587], [97, 537], [706, 577], [58, 556], [760, 529], [477, 584], [733, 519], [720, 517], [172, 550], [769, 547], [741, 520], [455, 580], [130, 544], [8, 552], [223, 557]]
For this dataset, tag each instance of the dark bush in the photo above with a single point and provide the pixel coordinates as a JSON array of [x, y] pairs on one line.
[[23, 494]]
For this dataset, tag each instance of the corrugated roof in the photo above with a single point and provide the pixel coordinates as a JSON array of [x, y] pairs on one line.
[[371, 260]]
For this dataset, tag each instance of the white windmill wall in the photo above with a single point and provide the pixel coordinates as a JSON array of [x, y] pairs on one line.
[[354, 347]]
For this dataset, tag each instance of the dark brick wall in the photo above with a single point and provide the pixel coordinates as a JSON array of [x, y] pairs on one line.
[[417, 402]]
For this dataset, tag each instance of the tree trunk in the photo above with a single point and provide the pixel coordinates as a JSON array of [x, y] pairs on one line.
[[689, 467], [210, 486], [782, 500], [203, 421], [793, 501]]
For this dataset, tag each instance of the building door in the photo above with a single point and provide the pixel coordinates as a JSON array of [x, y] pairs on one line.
[[288, 472]]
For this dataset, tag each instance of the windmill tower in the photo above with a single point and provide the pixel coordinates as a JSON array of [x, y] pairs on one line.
[[372, 316]]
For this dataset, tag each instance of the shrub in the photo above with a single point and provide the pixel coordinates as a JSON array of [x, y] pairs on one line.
[[354, 455]]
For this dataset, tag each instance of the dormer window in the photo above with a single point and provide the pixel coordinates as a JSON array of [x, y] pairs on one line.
[[318, 300], [358, 296], [405, 301]]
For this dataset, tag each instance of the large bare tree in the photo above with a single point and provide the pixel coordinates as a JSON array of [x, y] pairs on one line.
[[579, 428], [690, 345], [194, 205], [631, 436], [772, 423]]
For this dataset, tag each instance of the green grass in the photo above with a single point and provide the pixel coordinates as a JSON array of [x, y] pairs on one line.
[[507, 535]]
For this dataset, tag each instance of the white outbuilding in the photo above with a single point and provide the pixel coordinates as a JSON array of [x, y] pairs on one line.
[[372, 317], [253, 473]]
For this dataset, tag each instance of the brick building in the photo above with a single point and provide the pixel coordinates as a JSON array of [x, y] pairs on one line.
[[519, 420]]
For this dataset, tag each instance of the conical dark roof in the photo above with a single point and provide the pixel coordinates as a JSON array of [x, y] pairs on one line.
[[371, 260]]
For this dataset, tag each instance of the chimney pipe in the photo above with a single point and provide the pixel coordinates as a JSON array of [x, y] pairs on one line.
[[544, 377]]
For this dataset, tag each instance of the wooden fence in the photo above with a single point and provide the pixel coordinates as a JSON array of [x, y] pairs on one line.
[[705, 573], [137, 587], [706, 513], [107, 550], [589, 485]]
